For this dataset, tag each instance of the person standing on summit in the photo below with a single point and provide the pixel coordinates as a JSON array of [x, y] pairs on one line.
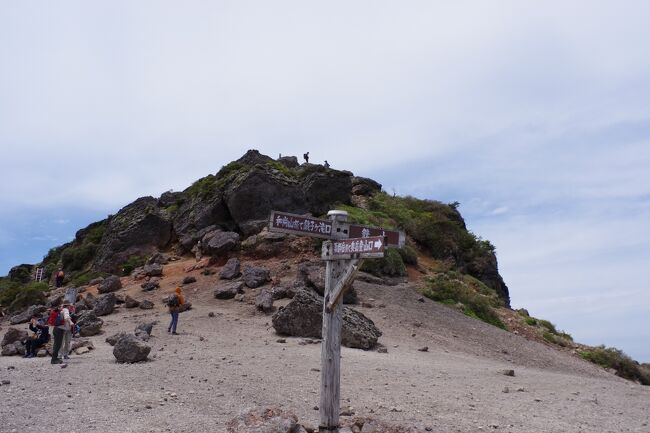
[[306, 156]]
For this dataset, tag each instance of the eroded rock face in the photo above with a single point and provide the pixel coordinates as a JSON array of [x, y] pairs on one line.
[[140, 228], [130, 348], [302, 317], [110, 284], [364, 186], [323, 188]]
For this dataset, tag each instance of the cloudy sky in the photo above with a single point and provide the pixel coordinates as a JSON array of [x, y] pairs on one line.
[[534, 116]]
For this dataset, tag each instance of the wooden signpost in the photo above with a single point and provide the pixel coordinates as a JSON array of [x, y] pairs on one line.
[[347, 246]]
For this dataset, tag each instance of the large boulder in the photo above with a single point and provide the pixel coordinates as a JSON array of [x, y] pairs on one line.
[[150, 285], [105, 304], [232, 269], [139, 228], [217, 242], [89, 324], [130, 348], [129, 302], [325, 187], [113, 339], [312, 275], [255, 276], [229, 291], [302, 317], [110, 284], [13, 335], [26, 315]]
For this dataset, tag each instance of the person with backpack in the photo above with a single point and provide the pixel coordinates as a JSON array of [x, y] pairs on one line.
[[67, 333], [59, 323], [41, 336], [174, 303], [59, 278]]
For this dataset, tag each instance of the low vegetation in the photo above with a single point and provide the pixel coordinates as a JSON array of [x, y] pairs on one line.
[[133, 261], [626, 367], [473, 297], [15, 296]]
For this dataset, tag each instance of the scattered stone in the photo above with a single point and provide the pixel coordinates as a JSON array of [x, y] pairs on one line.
[[420, 299], [217, 242], [158, 258], [12, 335], [105, 304], [382, 349], [146, 327], [26, 315], [109, 284], [150, 285], [189, 280], [255, 276], [506, 390], [153, 270], [229, 291], [129, 302], [264, 301], [231, 269], [281, 340], [146, 305], [6, 382], [211, 314], [130, 349], [89, 323], [424, 349], [508, 372], [265, 420], [348, 411]]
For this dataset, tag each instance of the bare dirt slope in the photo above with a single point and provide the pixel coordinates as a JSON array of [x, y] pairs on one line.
[[220, 365]]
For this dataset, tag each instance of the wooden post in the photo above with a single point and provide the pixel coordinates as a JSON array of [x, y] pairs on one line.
[[330, 379]]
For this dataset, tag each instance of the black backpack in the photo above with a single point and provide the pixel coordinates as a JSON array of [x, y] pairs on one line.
[[173, 301]]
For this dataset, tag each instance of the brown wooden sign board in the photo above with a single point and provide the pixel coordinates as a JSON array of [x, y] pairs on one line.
[[299, 225], [354, 248], [394, 238]]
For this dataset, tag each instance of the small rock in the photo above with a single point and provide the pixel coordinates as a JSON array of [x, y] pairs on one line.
[[146, 305], [6, 382], [210, 314], [424, 349], [506, 390], [189, 280], [508, 373], [420, 299], [281, 340]]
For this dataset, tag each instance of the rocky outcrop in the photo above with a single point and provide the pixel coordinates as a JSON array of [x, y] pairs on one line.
[[130, 349], [312, 275], [232, 269], [140, 229], [217, 242], [110, 284], [229, 291], [13, 335], [255, 276], [365, 186], [105, 304], [325, 187], [302, 317]]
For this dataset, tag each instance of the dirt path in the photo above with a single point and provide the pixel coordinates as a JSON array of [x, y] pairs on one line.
[[221, 365]]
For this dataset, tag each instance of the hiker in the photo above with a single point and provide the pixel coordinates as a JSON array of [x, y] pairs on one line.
[[59, 278], [306, 156], [41, 336], [327, 164], [67, 333], [59, 320], [174, 303]]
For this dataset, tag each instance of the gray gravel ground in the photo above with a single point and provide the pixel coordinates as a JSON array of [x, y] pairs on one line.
[[195, 385]]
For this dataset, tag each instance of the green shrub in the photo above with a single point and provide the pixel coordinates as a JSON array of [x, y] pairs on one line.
[[409, 255], [131, 263], [16, 296], [391, 264], [531, 321], [75, 258], [610, 357], [549, 326], [477, 299], [281, 168], [203, 187], [84, 278]]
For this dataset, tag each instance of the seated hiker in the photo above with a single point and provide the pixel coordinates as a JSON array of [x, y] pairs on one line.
[[40, 337]]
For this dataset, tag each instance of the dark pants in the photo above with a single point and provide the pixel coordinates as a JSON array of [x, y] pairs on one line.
[[59, 281], [32, 345], [56, 346], [174, 322]]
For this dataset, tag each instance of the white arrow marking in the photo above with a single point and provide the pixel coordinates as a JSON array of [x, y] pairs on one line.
[[378, 244]]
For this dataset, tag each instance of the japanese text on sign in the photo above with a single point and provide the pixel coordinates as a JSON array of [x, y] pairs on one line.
[[303, 225], [357, 246]]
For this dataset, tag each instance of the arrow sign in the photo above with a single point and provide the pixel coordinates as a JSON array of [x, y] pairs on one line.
[[355, 248], [299, 225], [394, 238]]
